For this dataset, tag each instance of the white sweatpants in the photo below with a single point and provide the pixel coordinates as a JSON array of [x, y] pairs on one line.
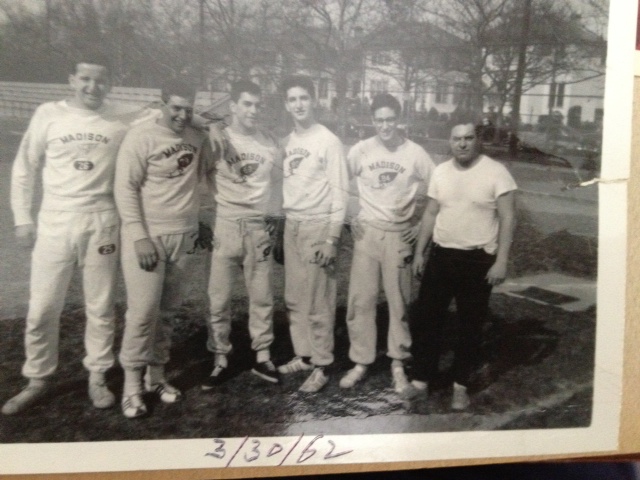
[[379, 254], [64, 240], [152, 298], [310, 291], [241, 244]]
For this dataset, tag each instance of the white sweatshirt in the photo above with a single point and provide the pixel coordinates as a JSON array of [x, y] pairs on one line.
[[78, 148], [315, 186], [156, 182], [390, 183], [248, 180]]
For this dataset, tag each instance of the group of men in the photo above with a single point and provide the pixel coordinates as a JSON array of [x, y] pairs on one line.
[[125, 184]]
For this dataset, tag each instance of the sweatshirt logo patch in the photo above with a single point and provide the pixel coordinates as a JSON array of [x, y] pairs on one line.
[[384, 179], [246, 171], [84, 165], [107, 249], [183, 161], [293, 164]]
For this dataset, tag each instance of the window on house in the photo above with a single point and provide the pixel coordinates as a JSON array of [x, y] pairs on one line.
[[323, 88], [556, 95], [442, 93]]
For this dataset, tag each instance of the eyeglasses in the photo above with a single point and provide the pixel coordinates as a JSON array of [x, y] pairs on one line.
[[388, 121]]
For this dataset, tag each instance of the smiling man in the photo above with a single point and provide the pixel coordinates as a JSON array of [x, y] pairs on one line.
[[158, 170], [315, 190], [392, 174], [471, 216], [76, 142], [248, 194]]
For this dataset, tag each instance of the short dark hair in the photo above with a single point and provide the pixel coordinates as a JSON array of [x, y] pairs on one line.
[[91, 57], [301, 81], [386, 100], [177, 87], [244, 86]]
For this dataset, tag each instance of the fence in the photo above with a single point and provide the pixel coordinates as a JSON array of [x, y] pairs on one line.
[[19, 99]]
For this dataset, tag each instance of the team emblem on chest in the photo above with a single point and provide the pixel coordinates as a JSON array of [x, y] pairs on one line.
[[184, 155], [246, 171]]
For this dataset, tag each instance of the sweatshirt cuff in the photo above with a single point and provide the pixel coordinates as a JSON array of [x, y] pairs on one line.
[[23, 218], [136, 231]]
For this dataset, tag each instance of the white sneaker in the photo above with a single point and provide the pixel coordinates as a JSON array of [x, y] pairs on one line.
[[400, 380], [133, 406], [353, 376], [167, 392], [315, 382], [32, 394], [460, 400], [296, 364], [420, 386], [100, 395]]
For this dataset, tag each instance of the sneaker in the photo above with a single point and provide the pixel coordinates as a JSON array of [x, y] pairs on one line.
[[460, 400], [315, 382], [353, 376], [400, 382], [420, 386], [167, 392], [267, 371], [133, 406], [100, 395], [31, 395], [217, 377], [296, 364]]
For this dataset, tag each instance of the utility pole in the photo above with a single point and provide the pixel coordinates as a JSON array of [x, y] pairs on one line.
[[203, 76], [520, 72]]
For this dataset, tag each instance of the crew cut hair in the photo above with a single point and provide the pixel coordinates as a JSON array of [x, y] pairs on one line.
[[244, 86], [177, 87], [90, 57], [383, 100], [301, 81]]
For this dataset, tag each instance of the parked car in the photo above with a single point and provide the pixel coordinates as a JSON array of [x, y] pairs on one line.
[[561, 140]]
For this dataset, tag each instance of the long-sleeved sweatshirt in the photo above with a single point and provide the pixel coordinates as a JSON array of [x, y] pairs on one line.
[[77, 149], [248, 178], [315, 186], [157, 176]]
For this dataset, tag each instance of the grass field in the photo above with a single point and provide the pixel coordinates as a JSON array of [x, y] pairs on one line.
[[538, 371]]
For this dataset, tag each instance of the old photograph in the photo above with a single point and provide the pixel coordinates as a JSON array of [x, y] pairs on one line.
[[310, 231]]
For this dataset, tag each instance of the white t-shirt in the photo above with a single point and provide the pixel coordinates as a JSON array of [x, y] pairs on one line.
[[390, 183], [315, 185], [156, 181], [78, 148], [468, 217], [248, 180]]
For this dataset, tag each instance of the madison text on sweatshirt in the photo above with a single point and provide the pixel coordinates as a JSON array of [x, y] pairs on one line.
[[77, 149], [389, 182], [248, 178], [315, 185], [157, 176]]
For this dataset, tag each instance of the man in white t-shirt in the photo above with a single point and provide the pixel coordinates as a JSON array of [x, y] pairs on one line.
[[471, 216], [76, 142], [315, 189], [247, 187], [158, 170], [392, 174]]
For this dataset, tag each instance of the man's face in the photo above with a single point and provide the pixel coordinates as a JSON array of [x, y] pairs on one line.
[[299, 104], [386, 122], [245, 111], [464, 144], [177, 113], [90, 84]]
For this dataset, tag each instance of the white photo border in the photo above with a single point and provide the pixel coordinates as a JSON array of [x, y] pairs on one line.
[[601, 436]]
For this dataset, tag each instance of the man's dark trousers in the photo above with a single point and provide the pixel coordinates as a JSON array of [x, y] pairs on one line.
[[451, 273]]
